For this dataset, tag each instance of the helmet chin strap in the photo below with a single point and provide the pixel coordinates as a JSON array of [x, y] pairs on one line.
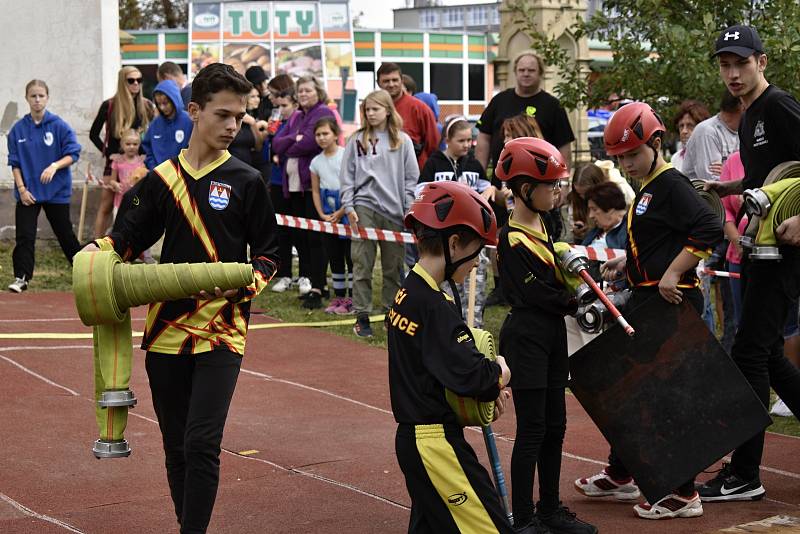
[[450, 266], [528, 201], [655, 157]]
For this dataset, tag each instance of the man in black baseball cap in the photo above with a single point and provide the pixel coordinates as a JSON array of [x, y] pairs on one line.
[[767, 138], [740, 40]]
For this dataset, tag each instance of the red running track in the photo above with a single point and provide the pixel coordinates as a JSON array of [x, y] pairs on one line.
[[312, 413]]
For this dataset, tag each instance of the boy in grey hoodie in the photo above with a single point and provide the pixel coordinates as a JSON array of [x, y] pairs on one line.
[[379, 174]]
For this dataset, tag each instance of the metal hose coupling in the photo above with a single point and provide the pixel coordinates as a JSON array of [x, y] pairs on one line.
[[768, 206], [594, 318]]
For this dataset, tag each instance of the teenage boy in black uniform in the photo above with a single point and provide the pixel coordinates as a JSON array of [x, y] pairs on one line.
[[533, 336], [430, 349], [767, 137], [670, 228], [212, 206]]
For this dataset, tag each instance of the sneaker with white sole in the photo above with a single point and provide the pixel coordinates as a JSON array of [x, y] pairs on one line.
[[303, 285], [282, 284], [334, 305], [728, 486], [670, 507], [18, 285], [602, 485], [780, 409]]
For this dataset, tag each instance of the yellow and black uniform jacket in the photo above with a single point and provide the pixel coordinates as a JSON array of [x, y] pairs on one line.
[[531, 277], [209, 215], [430, 349], [666, 217]]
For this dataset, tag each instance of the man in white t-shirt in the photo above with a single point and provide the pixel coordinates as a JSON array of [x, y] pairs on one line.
[[713, 140]]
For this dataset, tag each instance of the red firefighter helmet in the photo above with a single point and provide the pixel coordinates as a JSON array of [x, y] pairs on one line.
[[446, 204], [631, 126], [531, 157]]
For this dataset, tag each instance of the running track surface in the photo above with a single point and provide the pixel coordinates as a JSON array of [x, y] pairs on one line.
[[312, 413]]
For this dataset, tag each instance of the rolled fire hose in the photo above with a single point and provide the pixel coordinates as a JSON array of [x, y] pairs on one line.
[[712, 199], [105, 289], [470, 411], [768, 206]]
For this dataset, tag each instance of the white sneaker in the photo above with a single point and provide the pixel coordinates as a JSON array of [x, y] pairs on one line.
[[602, 485], [282, 284], [18, 285], [670, 507], [303, 285], [780, 409]]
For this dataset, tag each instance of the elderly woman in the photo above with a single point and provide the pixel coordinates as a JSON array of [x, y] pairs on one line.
[[607, 210], [296, 146], [41, 149], [689, 114]]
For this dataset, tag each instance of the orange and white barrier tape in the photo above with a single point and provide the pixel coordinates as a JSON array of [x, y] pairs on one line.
[[721, 274], [375, 234]]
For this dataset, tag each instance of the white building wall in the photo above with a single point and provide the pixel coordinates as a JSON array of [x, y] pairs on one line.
[[72, 46]]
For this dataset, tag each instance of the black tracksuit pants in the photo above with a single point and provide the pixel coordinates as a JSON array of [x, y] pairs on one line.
[[450, 490], [191, 397], [767, 288], [26, 219]]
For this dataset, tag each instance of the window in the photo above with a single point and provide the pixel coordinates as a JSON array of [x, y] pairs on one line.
[[476, 81], [446, 81], [416, 71]]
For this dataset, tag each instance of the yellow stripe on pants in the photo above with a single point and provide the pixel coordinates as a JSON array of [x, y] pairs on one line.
[[450, 481]]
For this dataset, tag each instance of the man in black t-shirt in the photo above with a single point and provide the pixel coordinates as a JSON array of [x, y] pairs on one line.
[[767, 137], [526, 97]]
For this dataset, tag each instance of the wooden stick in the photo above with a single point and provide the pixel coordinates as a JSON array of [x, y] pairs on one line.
[[473, 281], [84, 196]]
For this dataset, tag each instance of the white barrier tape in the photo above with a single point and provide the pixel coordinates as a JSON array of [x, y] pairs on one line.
[[374, 234]]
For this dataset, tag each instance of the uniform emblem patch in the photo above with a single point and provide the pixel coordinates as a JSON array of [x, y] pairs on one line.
[[641, 207], [179, 136], [48, 138], [219, 195]]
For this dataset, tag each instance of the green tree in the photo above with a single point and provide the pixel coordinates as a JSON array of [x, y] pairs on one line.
[[130, 15], [661, 49], [151, 14]]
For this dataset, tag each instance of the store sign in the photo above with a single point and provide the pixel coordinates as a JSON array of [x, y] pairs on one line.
[[265, 20]]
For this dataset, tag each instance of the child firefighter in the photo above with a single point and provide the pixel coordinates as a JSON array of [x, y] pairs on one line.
[[430, 349], [534, 336]]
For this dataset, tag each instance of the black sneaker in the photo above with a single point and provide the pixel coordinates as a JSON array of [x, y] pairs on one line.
[[533, 527], [312, 300], [362, 328], [495, 298], [562, 521], [727, 486]]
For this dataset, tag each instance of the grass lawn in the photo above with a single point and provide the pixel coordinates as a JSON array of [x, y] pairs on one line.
[[53, 274]]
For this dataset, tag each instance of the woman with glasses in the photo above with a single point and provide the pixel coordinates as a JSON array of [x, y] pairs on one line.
[[127, 109]]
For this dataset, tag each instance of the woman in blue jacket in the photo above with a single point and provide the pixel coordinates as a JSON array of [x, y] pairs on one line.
[[41, 149]]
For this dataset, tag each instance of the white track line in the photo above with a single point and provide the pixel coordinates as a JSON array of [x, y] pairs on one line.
[[321, 478], [27, 511], [40, 377], [316, 390], [267, 377]]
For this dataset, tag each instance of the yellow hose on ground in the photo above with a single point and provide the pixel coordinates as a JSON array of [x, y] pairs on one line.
[[469, 411]]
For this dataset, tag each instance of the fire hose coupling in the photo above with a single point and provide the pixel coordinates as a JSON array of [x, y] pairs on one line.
[[116, 398], [768, 207], [573, 261], [585, 295], [595, 317]]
